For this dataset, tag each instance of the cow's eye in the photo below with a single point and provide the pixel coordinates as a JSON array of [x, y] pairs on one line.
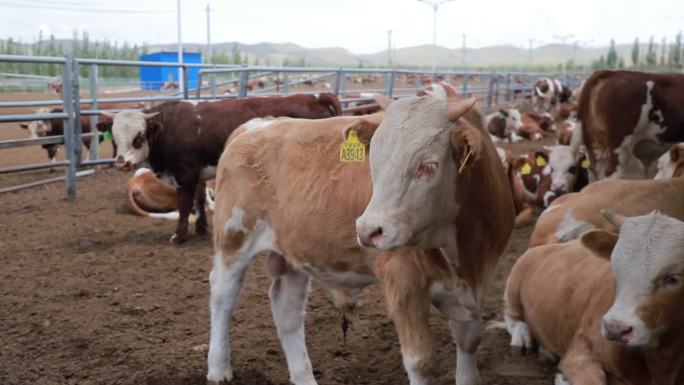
[[426, 168], [670, 280]]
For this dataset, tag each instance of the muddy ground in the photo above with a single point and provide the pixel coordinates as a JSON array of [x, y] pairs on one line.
[[92, 294]]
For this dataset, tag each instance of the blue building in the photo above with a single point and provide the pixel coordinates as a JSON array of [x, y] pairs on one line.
[[153, 78]]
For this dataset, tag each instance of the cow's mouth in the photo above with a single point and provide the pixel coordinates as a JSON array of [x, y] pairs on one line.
[[123, 165]]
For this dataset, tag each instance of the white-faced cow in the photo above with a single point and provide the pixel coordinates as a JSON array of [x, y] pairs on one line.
[[609, 326], [259, 192], [185, 139], [629, 119], [504, 125], [549, 93], [572, 214]]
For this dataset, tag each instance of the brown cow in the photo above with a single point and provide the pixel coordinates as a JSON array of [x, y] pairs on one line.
[[530, 129], [572, 214], [150, 197], [629, 119], [608, 327], [671, 164], [438, 186], [186, 138]]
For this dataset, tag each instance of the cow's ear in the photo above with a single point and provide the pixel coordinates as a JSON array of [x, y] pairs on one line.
[[600, 242], [24, 126], [466, 143], [104, 126], [364, 130], [382, 100], [459, 108], [109, 115]]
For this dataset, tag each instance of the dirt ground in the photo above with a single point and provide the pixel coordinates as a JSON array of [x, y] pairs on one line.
[[92, 294]]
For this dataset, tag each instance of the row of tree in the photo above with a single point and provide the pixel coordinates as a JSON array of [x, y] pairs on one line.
[[667, 56]]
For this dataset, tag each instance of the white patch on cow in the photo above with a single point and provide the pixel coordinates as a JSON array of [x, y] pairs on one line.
[[548, 196], [141, 170], [546, 170], [234, 223], [570, 227], [257, 123], [208, 172], [521, 337], [171, 215], [194, 102], [410, 363], [666, 168], [367, 95], [560, 380], [629, 166], [438, 91], [38, 128]]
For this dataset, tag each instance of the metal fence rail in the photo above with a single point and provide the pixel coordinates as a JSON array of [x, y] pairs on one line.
[[492, 87]]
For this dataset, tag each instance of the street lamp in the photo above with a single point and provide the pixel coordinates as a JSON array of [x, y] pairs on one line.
[[435, 5]]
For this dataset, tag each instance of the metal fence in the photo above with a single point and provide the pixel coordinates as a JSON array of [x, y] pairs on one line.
[[491, 87]]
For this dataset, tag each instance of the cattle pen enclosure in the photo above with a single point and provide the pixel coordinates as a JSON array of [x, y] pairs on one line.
[[93, 294]]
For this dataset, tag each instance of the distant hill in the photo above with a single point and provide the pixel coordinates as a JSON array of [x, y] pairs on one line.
[[417, 56]]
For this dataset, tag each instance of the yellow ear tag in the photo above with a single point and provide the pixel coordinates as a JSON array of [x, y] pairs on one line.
[[352, 150], [541, 162], [526, 169], [585, 163]]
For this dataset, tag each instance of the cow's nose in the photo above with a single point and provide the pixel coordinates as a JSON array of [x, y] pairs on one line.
[[370, 236], [616, 331], [558, 186], [120, 162]]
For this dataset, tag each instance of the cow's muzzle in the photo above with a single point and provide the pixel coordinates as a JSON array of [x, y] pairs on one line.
[[380, 234], [122, 164]]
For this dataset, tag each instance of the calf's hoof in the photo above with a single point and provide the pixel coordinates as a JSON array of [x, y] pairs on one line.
[[178, 239], [220, 379]]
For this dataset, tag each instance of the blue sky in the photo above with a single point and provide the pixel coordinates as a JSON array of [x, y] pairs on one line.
[[358, 25]]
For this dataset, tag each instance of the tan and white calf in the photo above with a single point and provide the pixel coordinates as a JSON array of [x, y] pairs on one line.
[[438, 186], [572, 214], [504, 125], [627, 332]]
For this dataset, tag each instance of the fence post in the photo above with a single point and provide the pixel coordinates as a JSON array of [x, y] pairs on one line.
[[496, 88], [490, 92], [69, 129], [339, 78], [286, 83], [508, 87], [212, 85], [94, 152], [244, 79], [390, 82], [186, 86], [465, 83], [76, 92]]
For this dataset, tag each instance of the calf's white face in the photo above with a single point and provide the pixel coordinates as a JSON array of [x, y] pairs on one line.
[[413, 173], [129, 132], [514, 120], [648, 269], [563, 168], [37, 128]]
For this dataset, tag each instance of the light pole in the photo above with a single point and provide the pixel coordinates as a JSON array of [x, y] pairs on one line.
[[181, 81], [389, 48], [463, 53], [435, 5], [209, 50]]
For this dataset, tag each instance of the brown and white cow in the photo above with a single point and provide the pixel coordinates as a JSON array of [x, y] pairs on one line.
[[531, 129], [671, 164], [565, 130], [629, 119], [427, 195], [259, 191], [184, 139], [608, 326], [504, 125], [149, 196], [572, 214], [549, 93]]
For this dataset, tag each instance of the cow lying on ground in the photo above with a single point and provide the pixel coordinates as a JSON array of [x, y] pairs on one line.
[[259, 192], [184, 139], [563, 298], [572, 214], [629, 119], [531, 129], [150, 197], [671, 164], [504, 125]]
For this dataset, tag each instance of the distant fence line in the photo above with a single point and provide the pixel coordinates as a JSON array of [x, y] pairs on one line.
[[217, 82]]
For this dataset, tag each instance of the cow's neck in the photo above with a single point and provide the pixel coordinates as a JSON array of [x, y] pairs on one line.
[[666, 363]]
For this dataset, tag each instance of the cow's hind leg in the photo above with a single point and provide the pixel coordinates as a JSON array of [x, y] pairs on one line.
[[467, 336], [236, 247], [288, 294]]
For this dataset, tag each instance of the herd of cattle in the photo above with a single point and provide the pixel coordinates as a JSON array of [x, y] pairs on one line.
[[427, 210]]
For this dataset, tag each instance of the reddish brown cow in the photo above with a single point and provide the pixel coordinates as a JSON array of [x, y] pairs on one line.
[[629, 119], [185, 139], [530, 128], [671, 164]]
